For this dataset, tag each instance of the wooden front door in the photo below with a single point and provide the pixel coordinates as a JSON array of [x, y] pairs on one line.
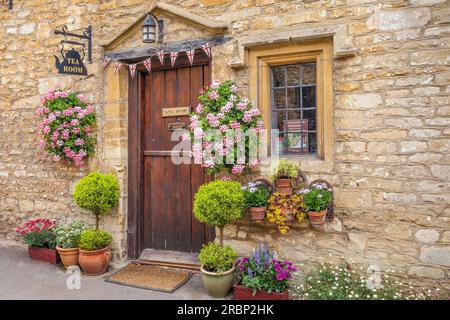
[[168, 189]]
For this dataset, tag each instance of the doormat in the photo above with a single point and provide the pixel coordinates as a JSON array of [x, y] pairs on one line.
[[150, 277]]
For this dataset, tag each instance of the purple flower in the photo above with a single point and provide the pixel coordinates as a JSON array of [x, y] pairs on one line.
[[249, 272]]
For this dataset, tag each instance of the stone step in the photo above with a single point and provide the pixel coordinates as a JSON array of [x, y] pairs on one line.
[[175, 259]]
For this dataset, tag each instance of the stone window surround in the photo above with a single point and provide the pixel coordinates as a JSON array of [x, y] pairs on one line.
[[260, 58]]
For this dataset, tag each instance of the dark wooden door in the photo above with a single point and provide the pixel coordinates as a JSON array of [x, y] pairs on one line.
[[168, 189]]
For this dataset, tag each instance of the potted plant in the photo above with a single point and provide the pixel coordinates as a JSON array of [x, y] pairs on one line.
[[317, 198], [95, 253], [98, 193], [262, 277], [284, 208], [217, 268], [284, 174], [218, 203], [67, 240], [40, 237], [256, 197]]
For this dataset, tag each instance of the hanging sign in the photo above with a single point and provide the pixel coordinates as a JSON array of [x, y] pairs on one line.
[[72, 63]]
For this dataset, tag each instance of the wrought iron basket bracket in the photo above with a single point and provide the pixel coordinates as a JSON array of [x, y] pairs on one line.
[[7, 3], [87, 35]]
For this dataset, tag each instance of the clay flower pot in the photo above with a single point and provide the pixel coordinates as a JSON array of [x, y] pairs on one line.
[[317, 218], [69, 257], [284, 185], [44, 254], [257, 213], [218, 284], [246, 293], [95, 262]]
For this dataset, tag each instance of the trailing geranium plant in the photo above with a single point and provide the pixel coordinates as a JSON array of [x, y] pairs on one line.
[[223, 111], [38, 233], [66, 125]]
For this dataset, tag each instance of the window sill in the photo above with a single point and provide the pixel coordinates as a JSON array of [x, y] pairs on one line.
[[307, 163]]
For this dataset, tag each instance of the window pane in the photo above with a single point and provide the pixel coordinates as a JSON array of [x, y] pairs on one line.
[[278, 76], [293, 100], [297, 143], [309, 97], [312, 140], [280, 120], [309, 73], [293, 75], [294, 114], [279, 98], [278, 146]]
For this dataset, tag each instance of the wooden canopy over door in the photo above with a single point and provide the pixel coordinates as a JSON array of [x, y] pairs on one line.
[[160, 192]]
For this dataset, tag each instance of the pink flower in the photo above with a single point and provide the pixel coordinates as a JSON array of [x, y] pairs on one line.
[[79, 142], [223, 128], [65, 134], [74, 122], [68, 112], [253, 163], [233, 88], [208, 164], [235, 125], [42, 143], [87, 129], [227, 107], [241, 106], [198, 132], [81, 97], [241, 160], [247, 117], [56, 158], [46, 130], [59, 143], [199, 108], [76, 130], [237, 169], [213, 95], [215, 84]]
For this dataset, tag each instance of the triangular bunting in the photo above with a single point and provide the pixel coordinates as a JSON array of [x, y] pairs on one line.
[[117, 65], [148, 64], [207, 48], [106, 61], [160, 55], [132, 68], [190, 54], [173, 57]]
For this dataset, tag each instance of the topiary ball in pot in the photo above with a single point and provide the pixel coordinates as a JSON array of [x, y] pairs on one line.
[[98, 193], [95, 253], [219, 203]]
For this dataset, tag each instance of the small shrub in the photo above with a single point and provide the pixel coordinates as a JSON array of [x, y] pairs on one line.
[[91, 240], [255, 195], [98, 193], [219, 203], [68, 235], [38, 233], [286, 169], [216, 258]]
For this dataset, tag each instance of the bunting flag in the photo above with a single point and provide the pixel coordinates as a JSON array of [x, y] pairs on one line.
[[117, 65], [160, 55], [207, 48], [148, 64], [132, 68], [173, 57], [106, 60], [190, 54]]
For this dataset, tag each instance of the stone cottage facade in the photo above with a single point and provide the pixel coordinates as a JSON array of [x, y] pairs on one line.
[[382, 138]]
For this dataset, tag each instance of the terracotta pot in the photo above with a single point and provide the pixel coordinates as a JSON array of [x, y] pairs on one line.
[[95, 262], [217, 284], [44, 254], [257, 213], [246, 293], [289, 215], [69, 257], [284, 185], [317, 218]]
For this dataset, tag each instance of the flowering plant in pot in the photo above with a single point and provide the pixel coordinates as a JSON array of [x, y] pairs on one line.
[[317, 198], [39, 235], [217, 268], [284, 208], [98, 193], [284, 174], [256, 197], [66, 126], [221, 129], [262, 277], [67, 240], [218, 203]]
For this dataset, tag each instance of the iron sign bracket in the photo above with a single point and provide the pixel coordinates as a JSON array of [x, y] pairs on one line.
[[87, 35]]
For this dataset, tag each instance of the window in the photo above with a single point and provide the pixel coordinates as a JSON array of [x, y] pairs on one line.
[[294, 108], [292, 85]]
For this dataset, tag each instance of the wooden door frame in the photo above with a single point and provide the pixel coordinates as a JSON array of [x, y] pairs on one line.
[[135, 214]]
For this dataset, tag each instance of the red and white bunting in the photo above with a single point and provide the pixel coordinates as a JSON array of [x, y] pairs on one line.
[[132, 68], [148, 64], [207, 48], [173, 57], [160, 55], [117, 65], [106, 61], [190, 54]]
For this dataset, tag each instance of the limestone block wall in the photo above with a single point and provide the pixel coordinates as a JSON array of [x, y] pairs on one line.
[[391, 165]]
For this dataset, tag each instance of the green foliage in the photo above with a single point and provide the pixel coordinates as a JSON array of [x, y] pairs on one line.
[[44, 239], [316, 199], [286, 169], [68, 235], [97, 192], [219, 203], [216, 258], [91, 240], [330, 282], [255, 195]]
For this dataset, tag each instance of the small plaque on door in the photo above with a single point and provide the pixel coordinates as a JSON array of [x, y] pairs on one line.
[[176, 111]]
